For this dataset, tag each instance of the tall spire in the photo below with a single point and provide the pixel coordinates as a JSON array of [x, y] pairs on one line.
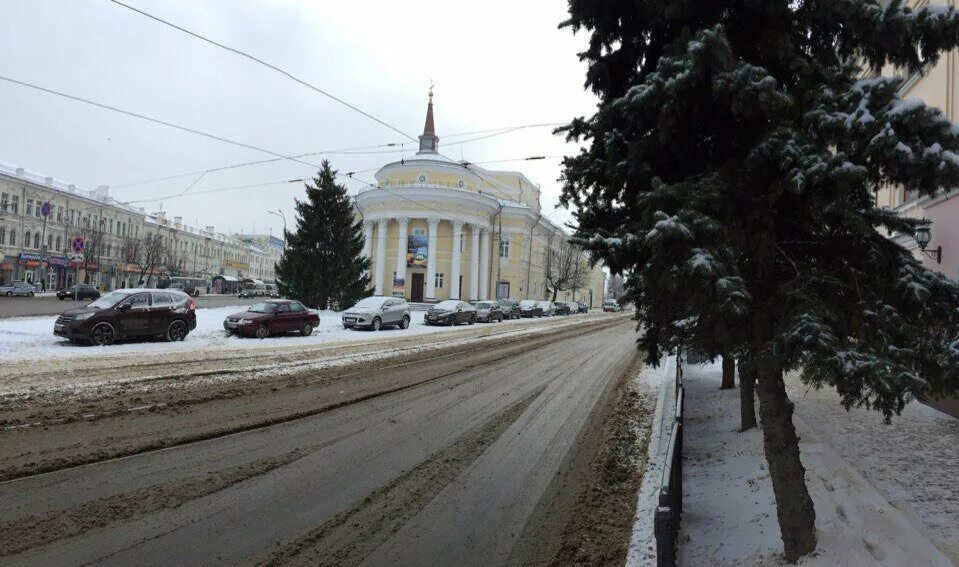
[[429, 142]]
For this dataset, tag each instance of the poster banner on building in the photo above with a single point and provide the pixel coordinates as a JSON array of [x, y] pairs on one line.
[[399, 287], [416, 251]]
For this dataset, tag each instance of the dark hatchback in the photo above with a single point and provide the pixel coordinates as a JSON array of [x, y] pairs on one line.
[[80, 291], [450, 312], [128, 314], [273, 317], [530, 308], [510, 308]]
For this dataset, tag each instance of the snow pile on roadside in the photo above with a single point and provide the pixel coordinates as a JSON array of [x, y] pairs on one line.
[[729, 513], [24, 338], [660, 382]]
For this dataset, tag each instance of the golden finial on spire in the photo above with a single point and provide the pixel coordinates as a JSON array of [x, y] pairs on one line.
[[431, 92]]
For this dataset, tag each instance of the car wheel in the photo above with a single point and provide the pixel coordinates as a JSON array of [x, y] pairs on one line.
[[377, 324], [102, 334], [307, 330], [405, 323], [262, 331], [30, 294], [471, 321], [177, 331]]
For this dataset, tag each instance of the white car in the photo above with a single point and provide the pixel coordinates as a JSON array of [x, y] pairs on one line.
[[377, 312], [18, 288]]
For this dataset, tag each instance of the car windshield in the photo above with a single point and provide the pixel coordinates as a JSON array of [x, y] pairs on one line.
[[109, 300], [262, 307], [447, 305], [484, 305], [371, 303]]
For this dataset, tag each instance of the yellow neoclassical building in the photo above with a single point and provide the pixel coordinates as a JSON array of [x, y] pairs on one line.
[[439, 229]]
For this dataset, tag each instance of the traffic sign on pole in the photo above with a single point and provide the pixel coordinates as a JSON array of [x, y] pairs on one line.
[[77, 244], [46, 208]]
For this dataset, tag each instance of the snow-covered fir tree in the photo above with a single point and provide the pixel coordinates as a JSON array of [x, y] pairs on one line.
[[323, 265], [732, 168]]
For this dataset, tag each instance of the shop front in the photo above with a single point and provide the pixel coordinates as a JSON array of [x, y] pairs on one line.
[[8, 269]]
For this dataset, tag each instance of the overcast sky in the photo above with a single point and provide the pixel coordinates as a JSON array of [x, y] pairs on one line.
[[495, 64]]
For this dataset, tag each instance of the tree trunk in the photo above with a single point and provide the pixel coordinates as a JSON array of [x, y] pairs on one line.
[[729, 373], [794, 507], [747, 401]]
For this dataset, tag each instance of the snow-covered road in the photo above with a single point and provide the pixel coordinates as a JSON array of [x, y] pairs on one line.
[[25, 338]]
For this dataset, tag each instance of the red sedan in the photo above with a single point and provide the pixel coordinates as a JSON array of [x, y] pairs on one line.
[[273, 317]]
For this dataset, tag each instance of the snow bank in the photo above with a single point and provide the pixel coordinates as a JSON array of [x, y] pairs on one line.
[[26, 338], [729, 513]]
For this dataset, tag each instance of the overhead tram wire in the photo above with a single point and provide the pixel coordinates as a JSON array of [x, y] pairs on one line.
[[339, 151], [292, 77], [153, 120], [493, 183]]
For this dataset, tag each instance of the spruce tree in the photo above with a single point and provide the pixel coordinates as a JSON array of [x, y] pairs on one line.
[[323, 264], [732, 168]]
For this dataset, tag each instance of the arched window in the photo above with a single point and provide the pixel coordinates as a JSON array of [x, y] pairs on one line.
[[13, 237], [3, 234], [59, 244], [36, 240], [50, 242], [26, 239]]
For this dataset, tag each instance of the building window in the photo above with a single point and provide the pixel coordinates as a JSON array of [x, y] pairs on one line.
[[111, 226], [59, 244], [4, 202], [15, 204], [439, 280], [26, 239], [13, 237], [49, 242], [462, 242], [36, 240], [504, 248], [3, 234], [419, 232], [29, 207], [59, 214]]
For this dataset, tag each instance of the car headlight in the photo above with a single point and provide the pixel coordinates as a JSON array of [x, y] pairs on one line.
[[83, 316], [245, 321]]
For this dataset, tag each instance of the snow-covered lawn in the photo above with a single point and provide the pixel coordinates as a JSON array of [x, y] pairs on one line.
[[729, 514], [26, 338]]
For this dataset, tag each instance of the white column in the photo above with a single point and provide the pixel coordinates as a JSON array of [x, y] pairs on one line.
[[455, 268], [367, 238], [401, 243], [484, 265], [474, 262], [433, 223], [382, 226]]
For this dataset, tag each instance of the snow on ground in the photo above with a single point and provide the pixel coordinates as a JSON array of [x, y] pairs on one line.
[[24, 338], [729, 514], [662, 384]]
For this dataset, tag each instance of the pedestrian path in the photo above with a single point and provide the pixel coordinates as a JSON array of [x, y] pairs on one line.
[[884, 494]]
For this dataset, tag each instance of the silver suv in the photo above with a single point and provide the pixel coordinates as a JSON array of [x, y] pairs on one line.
[[377, 312]]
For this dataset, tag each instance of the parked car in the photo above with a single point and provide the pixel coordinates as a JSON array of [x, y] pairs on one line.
[[450, 312], [78, 291], [530, 308], [611, 305], [377, 312], [548, 308], [560, 308], [22, 289], [127, 314], [488, 312], [583, 308], [573, 307], [273, 317], [510, 308]]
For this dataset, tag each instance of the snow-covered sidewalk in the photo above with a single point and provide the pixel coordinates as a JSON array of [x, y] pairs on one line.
[[25, 338], [884, 494]]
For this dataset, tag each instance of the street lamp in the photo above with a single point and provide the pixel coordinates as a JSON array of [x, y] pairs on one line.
[[923, 237], [280, 214]]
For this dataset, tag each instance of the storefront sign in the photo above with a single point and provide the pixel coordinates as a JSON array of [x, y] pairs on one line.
[[90, 267], [57, 260], [416, 251], [234, 265]]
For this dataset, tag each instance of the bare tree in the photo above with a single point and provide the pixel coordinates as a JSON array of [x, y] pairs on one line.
[[146, 254], [93, 244], [616, 287], [566, 267]]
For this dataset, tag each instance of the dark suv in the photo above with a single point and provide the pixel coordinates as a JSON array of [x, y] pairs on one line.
[[79, 291], [130, 313], [511, 309]]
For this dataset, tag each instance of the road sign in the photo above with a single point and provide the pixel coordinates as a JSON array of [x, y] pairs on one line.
[[76, 257], [77, 244], [46, 208]]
